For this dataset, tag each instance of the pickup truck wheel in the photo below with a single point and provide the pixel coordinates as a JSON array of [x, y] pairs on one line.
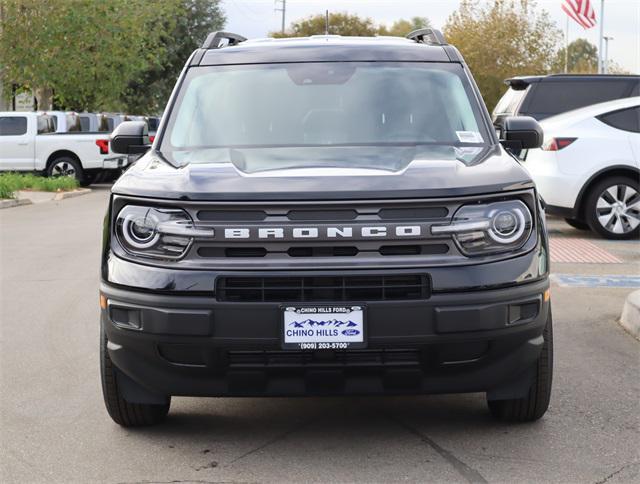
[[613, 208], [66, 166], [122, 412], [535, 403]]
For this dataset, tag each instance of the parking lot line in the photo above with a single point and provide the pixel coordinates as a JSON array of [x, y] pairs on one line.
[[571, 280]]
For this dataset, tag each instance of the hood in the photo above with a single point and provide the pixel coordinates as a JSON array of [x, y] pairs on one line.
[[489, 170]]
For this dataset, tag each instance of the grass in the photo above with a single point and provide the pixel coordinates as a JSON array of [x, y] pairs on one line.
[[12, 182]]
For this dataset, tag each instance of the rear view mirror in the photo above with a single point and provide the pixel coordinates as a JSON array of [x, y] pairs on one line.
[[520, 133], [130, 138]]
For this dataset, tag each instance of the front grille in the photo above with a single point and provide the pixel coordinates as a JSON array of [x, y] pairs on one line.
[[351, 358], [318, 289], [324, 251], [338, 239]]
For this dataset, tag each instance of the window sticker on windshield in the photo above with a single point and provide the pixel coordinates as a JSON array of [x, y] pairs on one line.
[[469, 137]]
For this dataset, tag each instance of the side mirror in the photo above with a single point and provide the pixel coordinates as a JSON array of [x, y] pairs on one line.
[[520, 133], [130, 138]]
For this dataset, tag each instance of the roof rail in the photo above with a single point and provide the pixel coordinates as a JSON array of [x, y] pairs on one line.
[[214, 40], [427, 36]]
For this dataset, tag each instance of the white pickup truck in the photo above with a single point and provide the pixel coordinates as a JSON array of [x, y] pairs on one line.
[[28, 142]]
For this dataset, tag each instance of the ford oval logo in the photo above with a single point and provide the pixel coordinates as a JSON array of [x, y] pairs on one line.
[[350, 332]]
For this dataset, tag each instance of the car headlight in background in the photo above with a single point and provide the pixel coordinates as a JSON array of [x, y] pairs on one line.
[[489, 228], [157, 233]]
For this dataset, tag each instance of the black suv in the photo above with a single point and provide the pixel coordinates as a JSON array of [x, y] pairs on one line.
[[322, 216], [543, 96]]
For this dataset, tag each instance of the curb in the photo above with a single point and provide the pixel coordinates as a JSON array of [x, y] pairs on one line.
[[14, 202], [76, 193], [55, 197], [630, 319]]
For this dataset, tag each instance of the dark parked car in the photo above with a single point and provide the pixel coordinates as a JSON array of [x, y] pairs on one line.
[[325, 216], [543, 96]]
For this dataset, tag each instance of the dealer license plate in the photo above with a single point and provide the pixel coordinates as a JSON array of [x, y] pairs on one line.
[[323, 327]]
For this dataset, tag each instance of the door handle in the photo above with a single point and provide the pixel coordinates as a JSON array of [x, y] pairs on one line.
[[23, 144]]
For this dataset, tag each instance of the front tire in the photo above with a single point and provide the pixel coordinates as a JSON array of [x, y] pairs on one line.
[[122, 412], [613, 208], [535, 403]]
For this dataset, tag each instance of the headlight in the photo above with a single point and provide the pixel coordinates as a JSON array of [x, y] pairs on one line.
[[490, 228], [156, 232]]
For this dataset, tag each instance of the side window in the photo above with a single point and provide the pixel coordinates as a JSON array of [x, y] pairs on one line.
[[85, 123], [153, 124], [103, 124], [13, 125], [625, 119], [509, 102], [73, 123], [553, 97], [45, 125]]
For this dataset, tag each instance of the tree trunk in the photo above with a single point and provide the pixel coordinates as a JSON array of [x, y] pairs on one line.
[[44, 96]]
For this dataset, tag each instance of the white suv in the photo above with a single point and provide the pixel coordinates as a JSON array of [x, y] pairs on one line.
[[588, 167]]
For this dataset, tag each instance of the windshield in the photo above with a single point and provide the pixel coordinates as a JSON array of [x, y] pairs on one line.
[[314, 114]]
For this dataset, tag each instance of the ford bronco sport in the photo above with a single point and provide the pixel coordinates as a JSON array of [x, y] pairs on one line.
[[325, 216]]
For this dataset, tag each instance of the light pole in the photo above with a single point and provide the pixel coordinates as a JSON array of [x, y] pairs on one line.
[[606, 54], [282, 9], [600, 70]]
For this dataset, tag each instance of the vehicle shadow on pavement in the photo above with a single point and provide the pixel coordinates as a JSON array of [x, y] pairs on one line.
[[193, 417], [232, 434]]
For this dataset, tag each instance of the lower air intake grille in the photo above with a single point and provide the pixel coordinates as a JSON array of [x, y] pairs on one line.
[[315, 289], [297, 359]]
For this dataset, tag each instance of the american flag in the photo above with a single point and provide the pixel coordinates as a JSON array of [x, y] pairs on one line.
[[581, 11]]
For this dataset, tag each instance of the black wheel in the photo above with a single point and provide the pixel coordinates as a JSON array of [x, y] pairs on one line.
[[613, 208], [66, 166], [577, 224], [535, 403], [122, 412]]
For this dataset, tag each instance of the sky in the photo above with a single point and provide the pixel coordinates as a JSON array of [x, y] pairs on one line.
[[256, 18]]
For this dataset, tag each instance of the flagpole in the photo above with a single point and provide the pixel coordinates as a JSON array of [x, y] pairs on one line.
[[566, 48], [600, 67]]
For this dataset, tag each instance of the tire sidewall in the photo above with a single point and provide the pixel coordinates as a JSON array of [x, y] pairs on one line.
[[66, 159], [592, 201]]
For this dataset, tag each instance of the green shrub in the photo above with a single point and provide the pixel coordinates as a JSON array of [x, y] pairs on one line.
[[12, 182]]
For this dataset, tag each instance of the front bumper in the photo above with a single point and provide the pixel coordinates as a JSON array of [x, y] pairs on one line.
[[474, 341]]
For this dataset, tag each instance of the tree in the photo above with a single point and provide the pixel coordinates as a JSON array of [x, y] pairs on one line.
[[350, 24], [339, 23], [615, 68], [582, 58], [402, 27], [502, 39], [85, 52], [194, 19]]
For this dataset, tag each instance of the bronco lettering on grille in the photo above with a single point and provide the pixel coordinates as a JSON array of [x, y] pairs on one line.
[[324, 232]]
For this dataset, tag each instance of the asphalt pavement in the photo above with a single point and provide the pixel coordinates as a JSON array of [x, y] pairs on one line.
[[54, 427]]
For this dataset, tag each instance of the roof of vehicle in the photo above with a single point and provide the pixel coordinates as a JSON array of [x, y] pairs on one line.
[[57, 113], [325, 48], [521, 82], [589, 112]]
